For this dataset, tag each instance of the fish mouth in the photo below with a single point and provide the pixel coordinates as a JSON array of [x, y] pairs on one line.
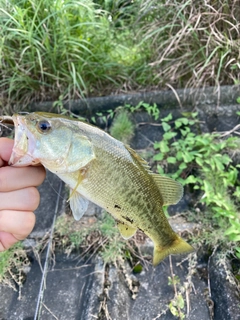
[[23, 142], [6, 120]]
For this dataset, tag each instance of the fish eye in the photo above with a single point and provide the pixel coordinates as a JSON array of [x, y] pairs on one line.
[[44, 126]]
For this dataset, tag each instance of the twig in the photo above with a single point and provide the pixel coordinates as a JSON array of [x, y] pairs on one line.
[[50, 311], [174, 283], [176, 95], [234, 130]]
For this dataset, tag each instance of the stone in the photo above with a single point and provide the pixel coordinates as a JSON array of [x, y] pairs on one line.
[[155, 293], [223, 289]]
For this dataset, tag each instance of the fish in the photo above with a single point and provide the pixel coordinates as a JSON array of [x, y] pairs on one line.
[[103, 170]]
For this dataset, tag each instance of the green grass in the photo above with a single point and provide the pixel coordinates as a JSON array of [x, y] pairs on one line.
[[51, 48], [73, 49], [12, 263]]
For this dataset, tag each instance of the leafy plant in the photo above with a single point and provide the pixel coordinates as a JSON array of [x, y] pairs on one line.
[[177, 304], [152, 110], [202, 162]]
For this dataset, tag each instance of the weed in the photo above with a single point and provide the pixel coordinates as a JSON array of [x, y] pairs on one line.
[[203, 163], [102, 236], [152, 110], [61, 48], [176, 305], [122, 127], [12, 265], [192, 45]]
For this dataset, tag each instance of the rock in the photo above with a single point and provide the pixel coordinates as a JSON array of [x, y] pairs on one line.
[[155, 293], [223, 289], [71, 291]]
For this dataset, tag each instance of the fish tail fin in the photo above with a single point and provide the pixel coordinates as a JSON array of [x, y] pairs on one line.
[[177, 246]]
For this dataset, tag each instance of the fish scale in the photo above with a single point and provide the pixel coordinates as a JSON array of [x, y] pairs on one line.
[[103, 170]]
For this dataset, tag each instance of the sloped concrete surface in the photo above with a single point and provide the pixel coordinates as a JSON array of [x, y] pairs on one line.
[[226, 304], [81, 289]]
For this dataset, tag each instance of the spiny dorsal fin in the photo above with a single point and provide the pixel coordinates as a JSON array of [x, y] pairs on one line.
[[137, 157], [171, 190]]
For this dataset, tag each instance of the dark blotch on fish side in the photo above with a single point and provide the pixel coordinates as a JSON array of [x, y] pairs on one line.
[[128, 219], [117, 207]]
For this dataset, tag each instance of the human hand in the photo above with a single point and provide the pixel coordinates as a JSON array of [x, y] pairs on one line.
[[19, 197]]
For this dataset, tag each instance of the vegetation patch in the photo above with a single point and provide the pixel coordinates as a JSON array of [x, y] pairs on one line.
[[13, 266], [90, 236], [61, 50]]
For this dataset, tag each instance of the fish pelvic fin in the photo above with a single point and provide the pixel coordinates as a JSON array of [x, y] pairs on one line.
[[176, 247], [125, 230]]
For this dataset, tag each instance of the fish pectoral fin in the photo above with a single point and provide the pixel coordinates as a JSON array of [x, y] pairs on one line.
[[78, 205], [171, 190], [126, 230], [178, 246]]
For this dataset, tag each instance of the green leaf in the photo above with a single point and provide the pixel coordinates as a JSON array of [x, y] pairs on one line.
[[187, 157], [167, 118], [158, 157], [219, 164], [179, 155], [182, 166], [181, 121], [169, 135], [166, 126], [180, 301], [232, 230], [185, 131], [160, 169], [171, 160], [191, 179], [164, 147], [199, 161], [234, 237]]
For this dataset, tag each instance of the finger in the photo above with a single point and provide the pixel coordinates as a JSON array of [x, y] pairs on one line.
[[26, 199], [6, 240], [16, 178], [17, 223], [6, 146]]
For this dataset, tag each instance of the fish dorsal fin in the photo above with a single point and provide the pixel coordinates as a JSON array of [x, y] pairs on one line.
[[78, 205], [171, 190], [137, 157], [126, 230]]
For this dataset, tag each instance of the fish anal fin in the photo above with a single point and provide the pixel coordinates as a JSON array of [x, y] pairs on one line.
[[171, 190], [126, 230], [78, 205], [178, 246]]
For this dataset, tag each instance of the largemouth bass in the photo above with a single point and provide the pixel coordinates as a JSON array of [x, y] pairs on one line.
[[101, 169]]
